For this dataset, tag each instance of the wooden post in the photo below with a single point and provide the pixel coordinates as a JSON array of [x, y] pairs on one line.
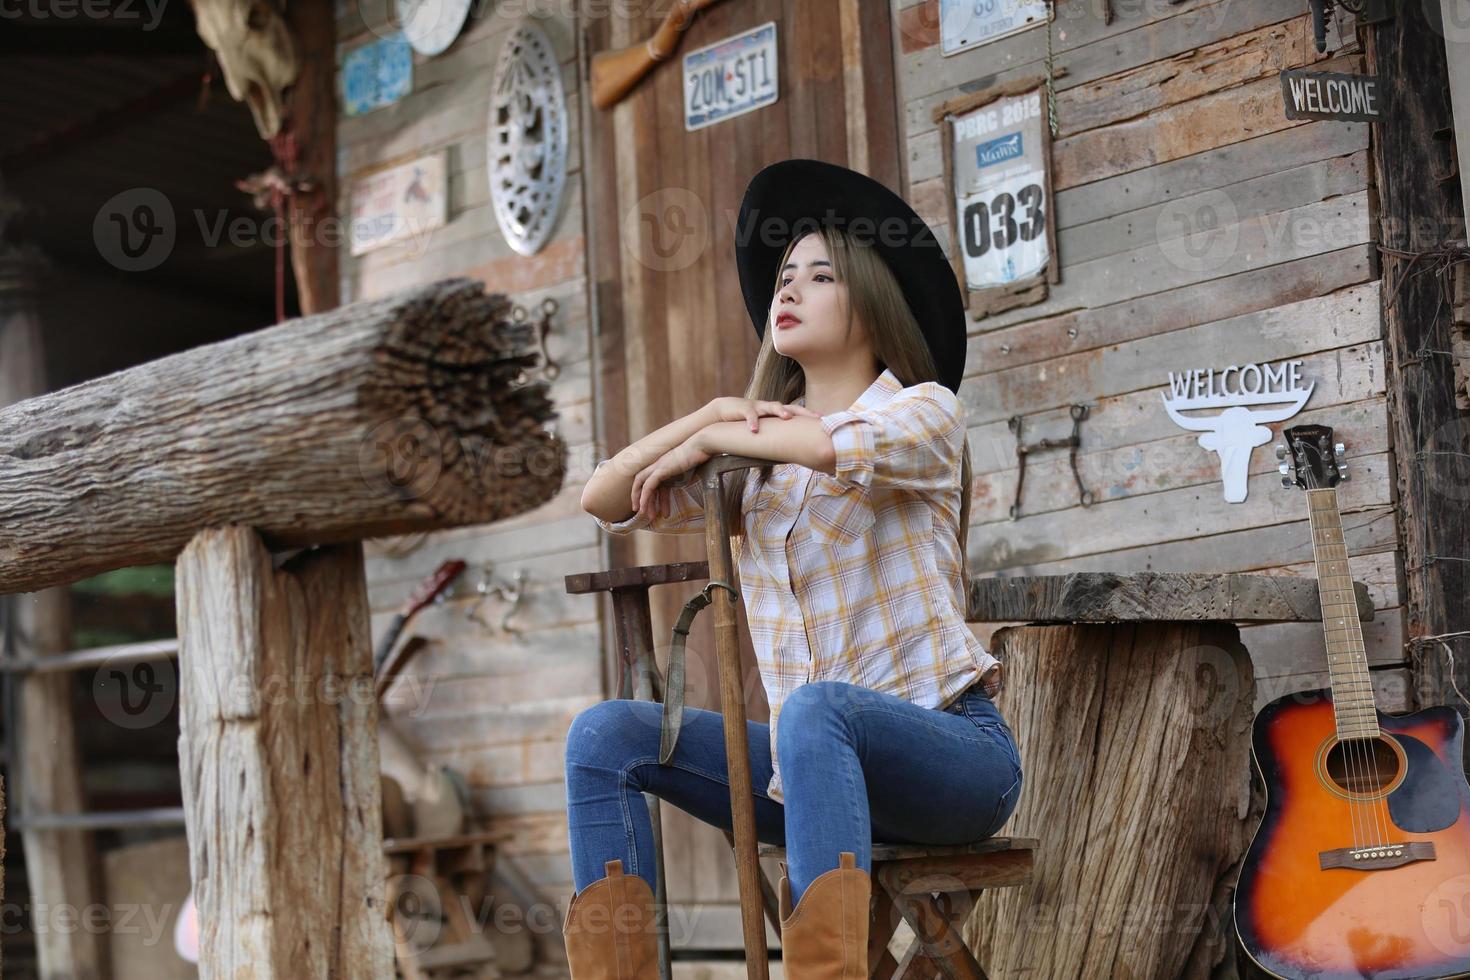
[[1457, 62], [61, 865], [1136, 783], [1419, 212], [1131, 699], [732, 706], [312, 105], [278, 754]]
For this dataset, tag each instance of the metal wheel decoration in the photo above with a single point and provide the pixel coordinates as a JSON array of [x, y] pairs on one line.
[[527, 139]]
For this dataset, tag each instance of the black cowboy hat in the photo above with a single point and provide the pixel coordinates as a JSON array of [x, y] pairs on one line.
[[793, 197]]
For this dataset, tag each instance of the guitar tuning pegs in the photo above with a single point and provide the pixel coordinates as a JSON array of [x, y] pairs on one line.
[[1280, 451], [1339, 449], [1284, 469], [1286, 482]]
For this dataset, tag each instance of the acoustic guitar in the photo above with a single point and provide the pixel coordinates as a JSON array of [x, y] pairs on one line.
[[1361, 864]]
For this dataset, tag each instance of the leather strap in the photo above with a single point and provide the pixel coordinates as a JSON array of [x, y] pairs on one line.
[[673, 717]]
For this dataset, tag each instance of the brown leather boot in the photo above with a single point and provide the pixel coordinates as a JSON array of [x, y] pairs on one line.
[[826, 937], [609, 929]]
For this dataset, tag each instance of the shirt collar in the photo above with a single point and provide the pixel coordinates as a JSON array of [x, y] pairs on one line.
[[881, 390]]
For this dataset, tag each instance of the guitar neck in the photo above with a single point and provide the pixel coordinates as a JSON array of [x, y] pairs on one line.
[[1347, 657]]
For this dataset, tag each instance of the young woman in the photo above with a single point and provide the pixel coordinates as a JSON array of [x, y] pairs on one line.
[[850, 550]]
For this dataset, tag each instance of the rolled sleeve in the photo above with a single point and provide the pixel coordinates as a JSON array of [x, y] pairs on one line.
[[912, 442], [677, 509]]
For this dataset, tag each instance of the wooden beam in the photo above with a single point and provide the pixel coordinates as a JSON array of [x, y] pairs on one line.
[[1105, 597], [279, 763], [385, 417]]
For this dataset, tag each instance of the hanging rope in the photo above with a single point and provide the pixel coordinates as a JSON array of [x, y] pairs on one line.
[[1051, 88], [277, 188], [283, 148]]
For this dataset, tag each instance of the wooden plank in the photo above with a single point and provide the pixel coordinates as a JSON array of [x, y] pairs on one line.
[[1106, 597], [1391, 688], [511, 655], [1176, 131], [577, 676], [543, 832], [449, 90], [1368, 530], [1163, 464], [1187, 306], [470, 239], [1230, 164], [1249, 199], [1224, 165], [1340, 319], [527, 798], [1382, 572], [1171, 515], [569, 544], [544, 718], [1203, 70], [504, 765], [1081, 44], [1234, 247], [1283, 649], [1135, 39], [1344, 375]]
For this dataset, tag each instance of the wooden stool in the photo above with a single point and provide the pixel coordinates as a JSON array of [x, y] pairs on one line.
[[915, 883]]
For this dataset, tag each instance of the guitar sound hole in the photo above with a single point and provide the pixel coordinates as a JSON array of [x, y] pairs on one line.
[[1362, 766]]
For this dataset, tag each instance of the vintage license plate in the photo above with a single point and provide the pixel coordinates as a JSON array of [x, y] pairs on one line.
[[730, 77]]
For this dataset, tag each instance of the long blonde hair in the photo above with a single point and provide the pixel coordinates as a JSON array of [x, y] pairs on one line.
[[875, 298]]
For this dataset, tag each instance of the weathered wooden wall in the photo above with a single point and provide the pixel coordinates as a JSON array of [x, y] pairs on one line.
[[1170, 111], [493, 705]]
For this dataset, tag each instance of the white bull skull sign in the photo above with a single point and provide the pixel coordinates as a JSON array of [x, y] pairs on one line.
[[1235, 432]]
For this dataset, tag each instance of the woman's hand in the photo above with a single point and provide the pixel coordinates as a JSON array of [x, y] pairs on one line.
[[733, 409], [682, 458]]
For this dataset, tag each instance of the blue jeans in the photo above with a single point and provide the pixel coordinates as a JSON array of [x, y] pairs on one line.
[[856, 766]]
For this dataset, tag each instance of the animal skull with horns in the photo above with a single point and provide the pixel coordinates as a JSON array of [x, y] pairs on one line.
[[256, 53]]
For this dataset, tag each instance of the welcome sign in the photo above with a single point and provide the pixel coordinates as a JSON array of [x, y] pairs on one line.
[[1329, 95]]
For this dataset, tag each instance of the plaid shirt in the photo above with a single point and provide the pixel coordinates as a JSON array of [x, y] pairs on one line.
[[855, 577]]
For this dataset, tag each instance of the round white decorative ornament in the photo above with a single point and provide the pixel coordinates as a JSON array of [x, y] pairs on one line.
[[430, 26], [527, 139]]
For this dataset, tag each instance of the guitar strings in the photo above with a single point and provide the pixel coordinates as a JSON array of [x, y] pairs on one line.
[[1355, 814], [1383, 820], [1377, 804], [1368, 818]]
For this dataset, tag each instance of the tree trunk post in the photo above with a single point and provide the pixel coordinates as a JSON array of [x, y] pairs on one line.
[[279, 761]]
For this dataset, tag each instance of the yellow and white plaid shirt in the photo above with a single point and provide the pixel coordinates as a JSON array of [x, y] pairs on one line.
[[856, 576]]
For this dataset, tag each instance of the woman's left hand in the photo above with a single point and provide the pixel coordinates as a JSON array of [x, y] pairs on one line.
[[683, 457]]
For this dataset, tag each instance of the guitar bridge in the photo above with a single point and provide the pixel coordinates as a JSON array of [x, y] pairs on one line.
[[1377, 857]]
